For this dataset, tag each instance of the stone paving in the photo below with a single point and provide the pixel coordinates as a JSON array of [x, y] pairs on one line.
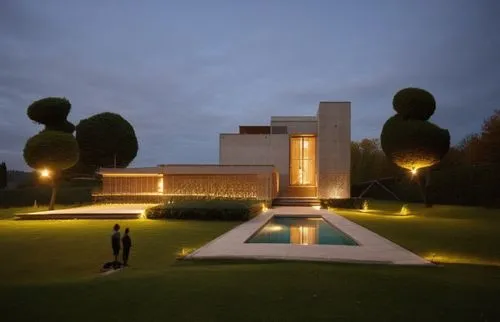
[[100, 211], [372, 248]]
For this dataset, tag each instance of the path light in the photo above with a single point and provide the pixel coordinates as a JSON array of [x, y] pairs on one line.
[[45, 173], [405, 211], [365, 205]]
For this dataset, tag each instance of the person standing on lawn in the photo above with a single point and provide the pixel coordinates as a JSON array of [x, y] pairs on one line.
[[115, 241], [127, 243]]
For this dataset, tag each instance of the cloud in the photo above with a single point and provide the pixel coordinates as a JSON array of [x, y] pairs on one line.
[[182, 76]]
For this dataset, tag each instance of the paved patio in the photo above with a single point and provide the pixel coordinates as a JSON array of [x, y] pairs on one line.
[[103, 211], [372, 248]]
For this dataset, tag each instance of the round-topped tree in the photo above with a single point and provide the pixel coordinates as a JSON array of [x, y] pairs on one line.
[[414, 103], [408, 139], [414, 144], [51, 112], [106, 140]]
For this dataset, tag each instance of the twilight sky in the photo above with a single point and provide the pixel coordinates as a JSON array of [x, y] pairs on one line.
[[183, 71]]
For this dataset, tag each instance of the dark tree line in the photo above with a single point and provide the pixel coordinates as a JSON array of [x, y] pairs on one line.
[[469, 168], [3, 175]]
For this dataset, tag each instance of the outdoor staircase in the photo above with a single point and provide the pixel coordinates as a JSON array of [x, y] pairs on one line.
[[295, 202]]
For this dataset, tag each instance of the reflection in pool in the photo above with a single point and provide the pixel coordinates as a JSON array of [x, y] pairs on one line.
[[297, 230]]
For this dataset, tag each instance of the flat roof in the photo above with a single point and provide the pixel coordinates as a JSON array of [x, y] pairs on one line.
[[293, 118], [186, 169], [145, 170]]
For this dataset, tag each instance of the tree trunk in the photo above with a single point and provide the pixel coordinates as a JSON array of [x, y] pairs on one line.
[[53, 197], [55, 188], [424, 187], [421, 188]]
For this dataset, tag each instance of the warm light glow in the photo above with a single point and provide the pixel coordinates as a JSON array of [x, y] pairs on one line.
[[413, 171], [316, 207], [160, 185], [304, 234], [303, 161], [45, 173], [365, 205], [271, 228], [404, 210], [264, 207]]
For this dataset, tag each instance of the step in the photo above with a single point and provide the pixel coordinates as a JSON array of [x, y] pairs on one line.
[[298, 202]]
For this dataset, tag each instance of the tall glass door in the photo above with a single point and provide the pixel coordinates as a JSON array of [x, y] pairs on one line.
[[303, 161]]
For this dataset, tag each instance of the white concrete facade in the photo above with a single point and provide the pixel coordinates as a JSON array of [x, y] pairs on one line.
[[280, 155], [332, 129]]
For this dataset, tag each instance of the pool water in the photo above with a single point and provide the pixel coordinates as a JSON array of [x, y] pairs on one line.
[[310, 230]]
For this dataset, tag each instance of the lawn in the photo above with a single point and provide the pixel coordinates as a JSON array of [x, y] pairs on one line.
[[49, 272], [445, 234]]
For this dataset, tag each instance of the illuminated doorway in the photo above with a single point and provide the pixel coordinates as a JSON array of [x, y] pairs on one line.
[[303, 161]]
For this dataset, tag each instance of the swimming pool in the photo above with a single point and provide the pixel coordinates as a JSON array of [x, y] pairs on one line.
[[300, 230]]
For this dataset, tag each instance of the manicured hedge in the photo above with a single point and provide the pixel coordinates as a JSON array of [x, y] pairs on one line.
[[27, 196], [347, 203], [237, 210]]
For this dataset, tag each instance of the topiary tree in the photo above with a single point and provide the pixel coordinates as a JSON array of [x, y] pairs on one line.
[[55, 148], [105, 140], [51, 152], [409, 140], [3, 175], [52, 112]]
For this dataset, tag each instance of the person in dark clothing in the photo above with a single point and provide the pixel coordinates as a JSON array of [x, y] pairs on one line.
[[127, 243], [115, 241]]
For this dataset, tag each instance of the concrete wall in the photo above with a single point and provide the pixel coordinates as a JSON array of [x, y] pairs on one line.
[[296, 124], [257, 149], [334, 152]]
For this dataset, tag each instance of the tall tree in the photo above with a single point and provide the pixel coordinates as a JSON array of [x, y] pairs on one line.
[[368, 162], [106, 140], [409, 140], [55, 148], [3, 175], [470, 146], [490, 139]]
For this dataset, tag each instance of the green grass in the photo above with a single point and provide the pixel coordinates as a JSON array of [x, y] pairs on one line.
[[446, 234], [49, 272]]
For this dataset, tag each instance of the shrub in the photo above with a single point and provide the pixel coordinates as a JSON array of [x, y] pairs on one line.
[[346, 203], [230, 210], [27, 196]]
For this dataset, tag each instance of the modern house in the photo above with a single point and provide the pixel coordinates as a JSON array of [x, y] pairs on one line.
[[292, 158]]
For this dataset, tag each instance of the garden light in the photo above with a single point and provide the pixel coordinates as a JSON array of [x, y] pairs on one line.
[[45, 173]]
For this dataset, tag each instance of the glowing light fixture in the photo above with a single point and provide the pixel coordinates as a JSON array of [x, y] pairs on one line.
[[404, 210], [413, 171], [45, 173], [365, 205]]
